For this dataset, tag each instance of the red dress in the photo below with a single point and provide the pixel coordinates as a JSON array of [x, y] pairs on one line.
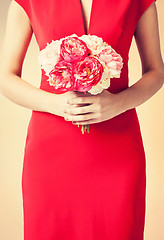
[[89, 186]]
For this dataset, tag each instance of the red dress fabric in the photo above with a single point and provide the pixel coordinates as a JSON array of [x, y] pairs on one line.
[[89, 186]]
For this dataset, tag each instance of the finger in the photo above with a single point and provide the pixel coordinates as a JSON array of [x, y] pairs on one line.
[[91, 121], [83, 117], [81, 100], [80, 110]]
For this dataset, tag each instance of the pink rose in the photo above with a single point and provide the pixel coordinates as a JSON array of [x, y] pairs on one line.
[[61, 77], [112, 60], [87, 73], [73, 49]]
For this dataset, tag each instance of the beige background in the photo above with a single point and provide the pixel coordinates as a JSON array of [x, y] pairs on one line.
[[13, 126]]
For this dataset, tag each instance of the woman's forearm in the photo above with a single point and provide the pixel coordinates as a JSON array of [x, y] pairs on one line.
[[142, 90], [22, 93]]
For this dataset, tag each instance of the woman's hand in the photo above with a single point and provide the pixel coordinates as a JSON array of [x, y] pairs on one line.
[[86, 108], [57, 103]]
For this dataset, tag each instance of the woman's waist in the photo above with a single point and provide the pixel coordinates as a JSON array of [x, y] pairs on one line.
[[51, 131], [48, 122]]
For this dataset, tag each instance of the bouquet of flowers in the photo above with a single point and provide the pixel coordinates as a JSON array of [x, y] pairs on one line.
[[83, 64]]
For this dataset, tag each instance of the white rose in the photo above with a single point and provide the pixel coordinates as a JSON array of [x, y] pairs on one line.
[[49, 56], [94, 43]]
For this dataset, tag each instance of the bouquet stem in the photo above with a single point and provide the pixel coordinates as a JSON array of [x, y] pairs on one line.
[[85, 128]]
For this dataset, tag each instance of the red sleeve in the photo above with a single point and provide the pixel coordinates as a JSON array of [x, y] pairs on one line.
[[143, 5]]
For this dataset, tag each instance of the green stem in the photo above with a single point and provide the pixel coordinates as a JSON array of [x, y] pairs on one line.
[[88, 128], [82, 129]]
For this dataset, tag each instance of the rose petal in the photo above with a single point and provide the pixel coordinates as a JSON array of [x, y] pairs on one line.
[[61, 77], [87, 73], [73, 49]]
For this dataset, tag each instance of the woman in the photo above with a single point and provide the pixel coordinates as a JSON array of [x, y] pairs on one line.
[[89, 186]]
